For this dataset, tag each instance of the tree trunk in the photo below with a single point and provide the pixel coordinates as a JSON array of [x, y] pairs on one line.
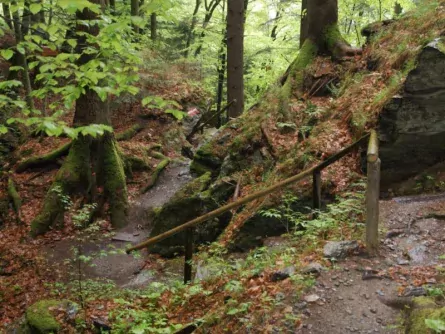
[[22, 61], [92, 163], [135, 12], [209, 13], [153, 27], [191, 32], [303, 23], [398, 9], [222, 59], [235, 53], [323, 31], [7, 15]]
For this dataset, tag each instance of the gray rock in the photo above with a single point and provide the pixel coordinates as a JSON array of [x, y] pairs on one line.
[[339, 249], [282, 274], [313, 268], [417, 254], [412, 124]]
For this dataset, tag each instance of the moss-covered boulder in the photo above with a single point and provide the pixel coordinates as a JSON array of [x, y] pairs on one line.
[[41, 316], [193, 200]]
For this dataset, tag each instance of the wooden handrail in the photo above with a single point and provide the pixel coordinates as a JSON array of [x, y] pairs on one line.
[[249, 198]]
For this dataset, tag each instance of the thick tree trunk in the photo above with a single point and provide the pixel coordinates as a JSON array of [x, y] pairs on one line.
[[235, 53], [92, 163], [323, 31]]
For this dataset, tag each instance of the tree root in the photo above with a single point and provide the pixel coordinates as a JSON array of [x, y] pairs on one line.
[[154, 177], [14, 198], [40, 161], [129, 133]]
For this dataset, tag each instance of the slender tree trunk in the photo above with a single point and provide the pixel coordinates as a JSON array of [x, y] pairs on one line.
[[303, 23], [209, 13], [7, 15], [92, 163], [191, 32], [50, 15], [398, 9], [222, 59], [26, 19], [274, 32], [135, 12], [153, 27], [235, 54], [21, 59]]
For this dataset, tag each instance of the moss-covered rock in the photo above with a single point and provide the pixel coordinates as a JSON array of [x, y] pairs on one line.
[[423, 308], [193, 200], [40, 317]]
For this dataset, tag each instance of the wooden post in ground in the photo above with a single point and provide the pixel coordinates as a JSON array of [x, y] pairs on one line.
[[188, 255], [316, 189], [372, 195]]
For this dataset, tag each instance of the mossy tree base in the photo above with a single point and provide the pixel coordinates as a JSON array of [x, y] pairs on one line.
[[91, 165]]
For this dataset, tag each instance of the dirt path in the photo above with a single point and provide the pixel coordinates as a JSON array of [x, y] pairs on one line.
[[122, 269], [410, 249]]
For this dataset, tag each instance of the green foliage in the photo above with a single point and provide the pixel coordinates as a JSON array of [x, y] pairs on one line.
[[437, 325]]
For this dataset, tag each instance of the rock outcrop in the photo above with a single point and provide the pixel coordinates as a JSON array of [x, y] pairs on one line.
[[412, 124]]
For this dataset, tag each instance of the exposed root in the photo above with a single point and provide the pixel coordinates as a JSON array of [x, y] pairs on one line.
[[41, 161], [154, 177], [14, 198], [129, 133]]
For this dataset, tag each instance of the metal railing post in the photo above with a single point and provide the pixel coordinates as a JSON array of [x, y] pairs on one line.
[[188, 255]]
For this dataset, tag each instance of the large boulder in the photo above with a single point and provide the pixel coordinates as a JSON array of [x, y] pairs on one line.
[[193, 200], [412, 124]]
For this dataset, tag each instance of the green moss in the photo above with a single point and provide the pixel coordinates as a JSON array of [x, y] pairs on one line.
[[73, 175], [199, 168], [154, 177], [115, 183], [424, 308], [129, 133], [14, 195], [40, 319], [294, 82], [40, 161], [193, 188]]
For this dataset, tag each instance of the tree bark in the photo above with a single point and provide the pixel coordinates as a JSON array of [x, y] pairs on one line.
[[235, 54], [135, 12], [210, 8], [222, 59], [92, 163], [323, 31], [303, 23], [7, 15], [22, 61], [191, 32], [153, 27]]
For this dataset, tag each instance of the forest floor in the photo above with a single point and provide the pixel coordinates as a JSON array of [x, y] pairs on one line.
[[411, 255]]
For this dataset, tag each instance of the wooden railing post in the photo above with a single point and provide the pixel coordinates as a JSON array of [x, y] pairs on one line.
[[316, 189], [188, 255], [372, 195]]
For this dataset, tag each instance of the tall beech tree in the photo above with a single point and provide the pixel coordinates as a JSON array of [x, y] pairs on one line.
[[235, 54], [94, 168]]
